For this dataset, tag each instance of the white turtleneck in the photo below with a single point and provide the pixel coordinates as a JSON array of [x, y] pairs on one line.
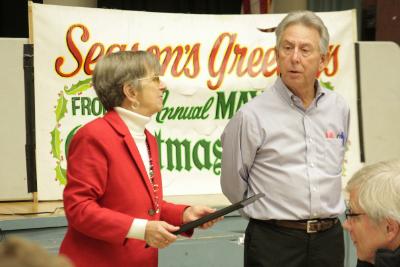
[[136, 124]]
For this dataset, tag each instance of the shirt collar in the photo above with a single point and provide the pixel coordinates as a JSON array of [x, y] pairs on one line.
[[319, 93], [136, 123], [290, 97]]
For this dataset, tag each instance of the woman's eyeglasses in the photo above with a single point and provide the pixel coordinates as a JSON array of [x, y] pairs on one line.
[[155, 78]]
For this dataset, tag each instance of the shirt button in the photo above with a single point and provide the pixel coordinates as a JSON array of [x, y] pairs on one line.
[[151, 212], [310, 139], [314, 189], [312, 165]]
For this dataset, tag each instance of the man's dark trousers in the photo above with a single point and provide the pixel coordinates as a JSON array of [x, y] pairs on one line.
[[268, 245]]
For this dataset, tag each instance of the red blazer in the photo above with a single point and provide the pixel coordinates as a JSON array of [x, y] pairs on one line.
[[107, 188]]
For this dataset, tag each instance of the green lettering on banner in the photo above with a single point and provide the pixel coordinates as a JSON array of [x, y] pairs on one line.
[[183, 112], [177, 145], [180, 155], [224, 105], [75, 104], [86, 106], [96, 107], [217, 151], [205, 156], [226, 108]]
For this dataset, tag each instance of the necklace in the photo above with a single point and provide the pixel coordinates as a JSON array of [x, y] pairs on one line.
[[152, 181]]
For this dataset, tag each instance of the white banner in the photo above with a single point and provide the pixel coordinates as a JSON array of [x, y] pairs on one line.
[[212, 65]]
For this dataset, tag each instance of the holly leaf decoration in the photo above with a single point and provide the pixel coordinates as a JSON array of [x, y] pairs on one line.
[[55, 144], [327, 85], [61, 174], [79, 87], [60, 111], [61, 107]]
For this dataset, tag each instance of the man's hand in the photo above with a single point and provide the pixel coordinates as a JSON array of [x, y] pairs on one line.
[[195, 212], [158, 234]]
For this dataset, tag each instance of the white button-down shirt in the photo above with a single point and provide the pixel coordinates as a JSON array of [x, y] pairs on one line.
[[292, 154]]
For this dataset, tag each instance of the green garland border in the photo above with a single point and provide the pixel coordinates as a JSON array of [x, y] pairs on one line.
[[60, 110]]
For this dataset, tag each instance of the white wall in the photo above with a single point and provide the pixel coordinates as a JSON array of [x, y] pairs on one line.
[[13, 181], [380, 98]]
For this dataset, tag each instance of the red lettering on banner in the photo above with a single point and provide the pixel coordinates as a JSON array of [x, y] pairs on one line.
[[269, 66], [332, 60], [226, 57], [255, 59], [192, 58], [94, 54], [96, 51], [238, 62], [188, 55], [74, 51], [211, 60], [251, 62]]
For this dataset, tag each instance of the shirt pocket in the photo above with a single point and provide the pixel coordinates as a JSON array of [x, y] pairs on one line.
[[334, 155]]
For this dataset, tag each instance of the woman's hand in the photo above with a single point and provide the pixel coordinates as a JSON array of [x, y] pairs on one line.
[[195, 212], [158, 234]]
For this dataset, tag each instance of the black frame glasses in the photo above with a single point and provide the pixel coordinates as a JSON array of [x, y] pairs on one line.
[[349, 214]]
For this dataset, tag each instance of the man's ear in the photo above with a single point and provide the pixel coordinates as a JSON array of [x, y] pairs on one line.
[[276, 53], [323, 61], [392, 229]]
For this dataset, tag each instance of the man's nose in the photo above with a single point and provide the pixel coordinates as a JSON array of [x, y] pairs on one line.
[[346, 225], [295, 55]]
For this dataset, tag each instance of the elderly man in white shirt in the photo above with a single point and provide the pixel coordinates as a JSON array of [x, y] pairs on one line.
[[289, 143]]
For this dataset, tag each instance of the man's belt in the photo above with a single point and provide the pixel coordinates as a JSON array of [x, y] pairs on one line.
[[310, 226]]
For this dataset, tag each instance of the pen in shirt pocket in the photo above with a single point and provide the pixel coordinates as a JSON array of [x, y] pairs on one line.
[[342, 136]]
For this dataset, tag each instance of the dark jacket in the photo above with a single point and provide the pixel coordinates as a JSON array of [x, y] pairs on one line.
[[383, 258]]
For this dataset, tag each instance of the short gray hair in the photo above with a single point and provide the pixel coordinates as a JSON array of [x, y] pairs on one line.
[[378, 188], [306, 18], [115, 70]]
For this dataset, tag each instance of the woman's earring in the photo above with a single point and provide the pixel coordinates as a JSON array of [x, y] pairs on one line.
[[135, 104]]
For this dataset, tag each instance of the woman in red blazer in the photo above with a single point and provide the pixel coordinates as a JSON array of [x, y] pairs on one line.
[[113, 199]]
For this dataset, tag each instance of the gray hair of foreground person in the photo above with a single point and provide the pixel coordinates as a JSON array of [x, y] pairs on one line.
[[17, 252], [115, 70], [378, 188], [306, 18]]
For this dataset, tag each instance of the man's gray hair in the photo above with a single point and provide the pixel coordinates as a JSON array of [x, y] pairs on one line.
[[115, 70], [378, 188], [306, 18]]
